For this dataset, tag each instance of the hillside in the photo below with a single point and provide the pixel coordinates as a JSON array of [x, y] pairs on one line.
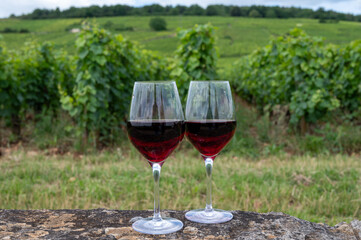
[[236, 36]]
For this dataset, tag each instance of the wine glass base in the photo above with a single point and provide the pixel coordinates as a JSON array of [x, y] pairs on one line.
[[214, 216], [164, 226]]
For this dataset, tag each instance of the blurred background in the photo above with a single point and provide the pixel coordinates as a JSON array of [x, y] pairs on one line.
[[66, 78]]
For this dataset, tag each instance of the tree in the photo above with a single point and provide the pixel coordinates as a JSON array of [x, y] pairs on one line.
[[179, 9], [254, 14], [194, 10], [270, 13], [236, 11], [212, 10], [154, 9], [57, 13], [320, 13], [122, 10], [158, 24]]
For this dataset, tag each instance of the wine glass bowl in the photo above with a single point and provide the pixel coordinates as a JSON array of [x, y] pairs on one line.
[[210, 124], [155, 139], [156, 127], [209, 137]]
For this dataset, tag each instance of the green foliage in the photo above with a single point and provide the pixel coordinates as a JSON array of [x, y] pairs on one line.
[[95, 88], [325, 20], [195, 10], [38, 69], [346, 76], [270, 13], [212, 10], [29, 82], [24, 30], [302, 73], [122, 27], [92, 99], [65, 72], [108, 25], [254, 14], [313, 144], [158, 24], [11, 91], [106, 68], [196, 57], [11, 30], [236, 11]]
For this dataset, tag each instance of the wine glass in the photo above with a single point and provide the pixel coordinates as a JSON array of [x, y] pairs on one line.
[[155, 128], [210, 125]]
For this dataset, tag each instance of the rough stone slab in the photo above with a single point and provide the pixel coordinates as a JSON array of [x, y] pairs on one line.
[[106, 224], [356, 226]]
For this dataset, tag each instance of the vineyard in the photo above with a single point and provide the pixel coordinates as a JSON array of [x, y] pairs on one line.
[[302, 73], [310, 81], [94, 86], [296, 148]]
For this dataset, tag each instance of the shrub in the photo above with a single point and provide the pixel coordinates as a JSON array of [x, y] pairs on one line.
[[346, 76], [292, 70], [24, 30], [108, 25], [9, 30], [196, 57], [158, 24], [254, 14], [11, 92], [121, 27], [38, 70], [29, 82], [302, 73], [325, 20], [236, 11], [106, 68]]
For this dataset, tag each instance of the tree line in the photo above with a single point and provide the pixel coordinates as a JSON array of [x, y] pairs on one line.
[[193, 10]]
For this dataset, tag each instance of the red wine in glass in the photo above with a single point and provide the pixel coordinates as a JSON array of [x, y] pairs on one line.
[[210, 125], [155, 128], [209, 137], [155, 140]]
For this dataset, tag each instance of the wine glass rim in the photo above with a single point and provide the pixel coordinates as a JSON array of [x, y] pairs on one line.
[[218, 81], [156, 81], [155, 120]]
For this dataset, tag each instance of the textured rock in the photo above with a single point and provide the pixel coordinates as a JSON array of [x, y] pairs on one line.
[[111, 224]]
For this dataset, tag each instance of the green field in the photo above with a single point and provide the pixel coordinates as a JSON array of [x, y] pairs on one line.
[[323, 189], [235, 36]]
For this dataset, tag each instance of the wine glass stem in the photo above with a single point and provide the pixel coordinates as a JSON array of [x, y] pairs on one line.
[[209, 168], [156, 175]]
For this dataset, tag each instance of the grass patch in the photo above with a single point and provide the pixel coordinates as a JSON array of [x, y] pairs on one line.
[[323, 189]]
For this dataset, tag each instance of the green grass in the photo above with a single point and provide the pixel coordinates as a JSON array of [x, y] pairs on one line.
[[323, 189], [236, 36]]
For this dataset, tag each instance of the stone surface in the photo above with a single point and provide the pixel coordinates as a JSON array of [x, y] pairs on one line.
[[106, 224]]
